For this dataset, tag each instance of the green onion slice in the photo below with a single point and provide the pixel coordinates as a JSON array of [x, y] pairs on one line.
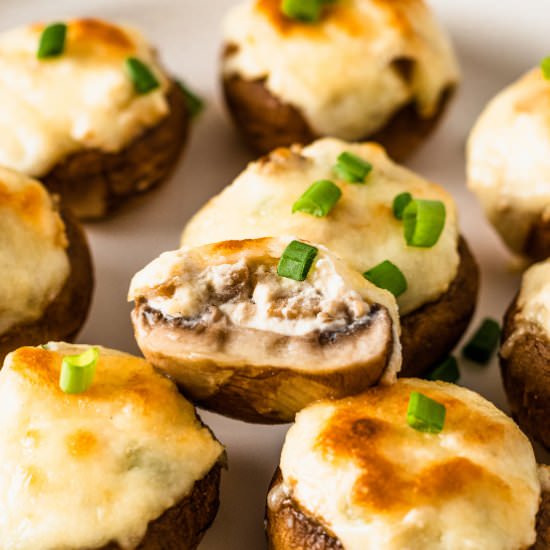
[[77, 371], [351, 168], [423, 222], [140, 74], [400, 203], [194, 103], [425, 414], [545, 67], [52, 41], [484, 342], [302, 10], [296, 261], [319, 199], [447, 371], [388, 276]]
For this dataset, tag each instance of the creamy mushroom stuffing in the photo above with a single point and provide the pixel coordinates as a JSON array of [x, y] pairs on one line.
[[252, 295]]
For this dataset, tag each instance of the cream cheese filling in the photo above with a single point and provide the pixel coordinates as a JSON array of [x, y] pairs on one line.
[[33, 250], [485, 487], [361, 228], [83, 470], [83, 99], [341, 72], [509, 158]]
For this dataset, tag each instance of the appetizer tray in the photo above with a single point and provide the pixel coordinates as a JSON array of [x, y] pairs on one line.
[[495, 46]]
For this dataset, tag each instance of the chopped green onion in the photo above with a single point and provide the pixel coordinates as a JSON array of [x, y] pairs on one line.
[[423, 222], [296, 261], [447, 371], [140, 74], [351, 168], [425, 414], [400, 203], [484, 342], [388, 276], [52, 41], [77, 371], [193, 102], [302, 10], [545, 67], [319, 199]]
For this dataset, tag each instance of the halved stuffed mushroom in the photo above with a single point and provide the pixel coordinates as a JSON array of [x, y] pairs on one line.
[[413, 465], [354, 69], [525, 353], [47, 274], [386, 222], [99, 451], [257, 329], [86, 107], [509, 164]]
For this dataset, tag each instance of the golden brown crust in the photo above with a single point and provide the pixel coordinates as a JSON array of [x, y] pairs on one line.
[[183, 525], [526, 375], [65, 316], [93, 183], [429, 333], [266, 123], [537, 245]]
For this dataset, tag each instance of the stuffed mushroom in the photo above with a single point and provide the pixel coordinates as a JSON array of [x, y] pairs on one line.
[[120, 461], [509, 168], [413, 465], [47, 274], [258, 329], [385, 221], [354, 69], [525, 353], [86, 107]]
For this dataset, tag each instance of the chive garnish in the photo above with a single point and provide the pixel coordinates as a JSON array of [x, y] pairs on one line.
[[423, 222], [484, 342], [319, 199], [302, 10], [52, 41], [425, 414], [388, 276], [351, 168], [447, 371], [77, 371], [400, 203], [545, 67], [296, 261], [143, 79], [194, 103]]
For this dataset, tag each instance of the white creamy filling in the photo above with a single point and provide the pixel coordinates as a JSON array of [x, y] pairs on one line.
[[361, 228], [44, 119], [509, 158], [476, 521], [339, 71], [275, 304], [79, 472], [33, 257]]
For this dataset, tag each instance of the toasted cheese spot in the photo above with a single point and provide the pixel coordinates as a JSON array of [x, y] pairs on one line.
[[365, 429], [32, 478], [81, 444], [119, 379], [98, 31], [338, 14], [235, 246], [28, 202]]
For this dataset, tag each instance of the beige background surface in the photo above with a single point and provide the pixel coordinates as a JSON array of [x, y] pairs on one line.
[[496, 42]]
